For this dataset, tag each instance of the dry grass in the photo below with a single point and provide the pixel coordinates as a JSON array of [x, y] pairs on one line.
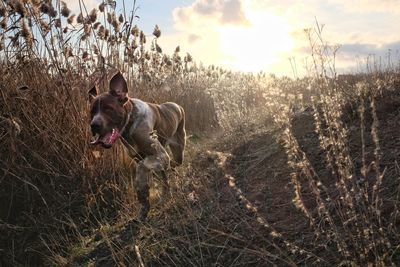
[[64, 203]]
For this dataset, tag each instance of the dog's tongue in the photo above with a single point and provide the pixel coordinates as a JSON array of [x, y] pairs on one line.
[[107, 139]]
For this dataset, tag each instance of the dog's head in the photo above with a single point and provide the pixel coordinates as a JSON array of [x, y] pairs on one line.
[[107, 112]]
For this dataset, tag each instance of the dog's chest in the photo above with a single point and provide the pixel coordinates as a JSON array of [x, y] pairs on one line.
[[142, 123], [131, 147]]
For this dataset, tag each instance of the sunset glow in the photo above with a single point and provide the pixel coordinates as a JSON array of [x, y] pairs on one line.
[[259, 35], [256, 46]]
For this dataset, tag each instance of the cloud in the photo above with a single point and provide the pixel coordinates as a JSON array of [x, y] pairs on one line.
[[192, 38], [76, 8], [222, 11], [206, 28], [368, 6], [364, 50]]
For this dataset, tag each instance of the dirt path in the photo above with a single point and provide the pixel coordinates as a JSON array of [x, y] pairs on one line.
[[231, 206]]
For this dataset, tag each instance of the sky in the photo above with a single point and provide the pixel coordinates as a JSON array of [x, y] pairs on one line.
[[262, 35]]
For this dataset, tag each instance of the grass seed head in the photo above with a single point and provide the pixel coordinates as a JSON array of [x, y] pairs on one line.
[[65, 11], [35, 3], [80, 19], [3, 23], [44, 26], [57, 23], [158, 49], [93, 15], [26, 33], [96, 25], [87, 28], [70, 20], [52, 11], [142, 38], [85, 55], [102, 6], [157, 31], [44, 8], [101, 31], [3, 11], [135, 31], [19, 7], [134, 44], [115, 23]]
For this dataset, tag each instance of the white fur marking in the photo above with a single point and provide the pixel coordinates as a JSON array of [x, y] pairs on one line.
[[144, 114], [98, 117]]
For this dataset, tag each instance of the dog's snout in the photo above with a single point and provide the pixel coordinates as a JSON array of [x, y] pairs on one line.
[[95, 126]]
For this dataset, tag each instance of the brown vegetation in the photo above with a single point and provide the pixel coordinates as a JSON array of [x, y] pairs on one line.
[[278, 172]]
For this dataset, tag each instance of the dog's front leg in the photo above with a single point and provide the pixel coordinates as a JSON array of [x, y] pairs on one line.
[[142, 189], [158, 163]]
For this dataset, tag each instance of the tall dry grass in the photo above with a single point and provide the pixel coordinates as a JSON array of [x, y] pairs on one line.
[[56, 191], [346, 207], [54, 187]]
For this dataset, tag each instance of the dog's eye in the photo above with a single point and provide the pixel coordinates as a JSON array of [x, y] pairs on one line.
[[93, 111]]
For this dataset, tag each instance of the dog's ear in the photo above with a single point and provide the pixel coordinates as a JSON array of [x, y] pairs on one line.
[[92, 93], [119, 87]]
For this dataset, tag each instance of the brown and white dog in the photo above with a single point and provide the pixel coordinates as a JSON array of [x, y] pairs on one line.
[[114, 115]]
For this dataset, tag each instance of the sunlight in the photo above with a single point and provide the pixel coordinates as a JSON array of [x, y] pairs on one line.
[[256, 46]]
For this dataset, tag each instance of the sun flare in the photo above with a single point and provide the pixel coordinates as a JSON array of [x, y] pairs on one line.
[[258, 44]]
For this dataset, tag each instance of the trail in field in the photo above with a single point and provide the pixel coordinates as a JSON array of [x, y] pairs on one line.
[[235, 196]]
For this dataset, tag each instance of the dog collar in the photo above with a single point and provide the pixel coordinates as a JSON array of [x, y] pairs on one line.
[[127, 119]]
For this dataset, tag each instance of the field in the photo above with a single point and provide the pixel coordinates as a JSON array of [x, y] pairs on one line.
[[277, 172]]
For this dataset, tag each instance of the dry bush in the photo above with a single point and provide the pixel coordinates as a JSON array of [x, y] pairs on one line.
[[345, 208]]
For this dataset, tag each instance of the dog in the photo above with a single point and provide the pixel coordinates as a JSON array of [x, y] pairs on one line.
[[114, 115]]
